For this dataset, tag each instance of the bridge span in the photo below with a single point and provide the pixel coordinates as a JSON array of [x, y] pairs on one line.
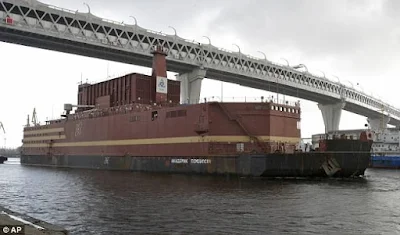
[[32, 23]]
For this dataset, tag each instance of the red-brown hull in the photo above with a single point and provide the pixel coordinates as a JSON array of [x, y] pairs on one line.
[[193, 130], [309, 164], [208, 133]]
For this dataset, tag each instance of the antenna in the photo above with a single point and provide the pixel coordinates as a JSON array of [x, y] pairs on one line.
[[383, 119], [108, 69], [222, 91]]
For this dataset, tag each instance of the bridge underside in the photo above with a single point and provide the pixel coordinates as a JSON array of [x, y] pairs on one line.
[[85, 49], [300, 93], [114, 54]]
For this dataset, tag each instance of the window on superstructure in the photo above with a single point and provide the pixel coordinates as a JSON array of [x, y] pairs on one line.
[[154, 115], [177, 113]]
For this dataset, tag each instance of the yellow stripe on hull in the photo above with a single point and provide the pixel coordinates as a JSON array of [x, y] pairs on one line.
[[170, 140], [44, 131], [46, 137]]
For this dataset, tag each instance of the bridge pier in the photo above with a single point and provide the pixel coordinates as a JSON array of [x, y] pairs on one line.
[[191, 85], [378, 124], [331, 114]]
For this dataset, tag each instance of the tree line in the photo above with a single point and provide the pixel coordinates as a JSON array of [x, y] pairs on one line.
[[10, 151]]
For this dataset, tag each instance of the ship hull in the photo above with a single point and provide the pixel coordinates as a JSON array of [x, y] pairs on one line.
[[388, 162], [309, 164]]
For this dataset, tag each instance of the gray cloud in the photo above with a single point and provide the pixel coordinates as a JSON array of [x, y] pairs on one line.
[[315, 27]]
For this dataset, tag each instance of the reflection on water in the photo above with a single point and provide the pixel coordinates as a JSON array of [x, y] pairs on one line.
[[111, 202]]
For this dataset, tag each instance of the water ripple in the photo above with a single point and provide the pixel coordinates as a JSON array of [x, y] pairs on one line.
[[100, 202]]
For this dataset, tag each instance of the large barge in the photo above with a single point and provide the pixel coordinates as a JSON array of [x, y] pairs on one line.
[[136, 122]]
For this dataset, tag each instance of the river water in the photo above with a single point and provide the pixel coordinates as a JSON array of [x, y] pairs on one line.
[[110, 202]]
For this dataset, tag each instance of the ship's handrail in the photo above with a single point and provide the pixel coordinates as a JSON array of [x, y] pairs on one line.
[[248, 99], [140, 107], [122, 109], [337, 136]]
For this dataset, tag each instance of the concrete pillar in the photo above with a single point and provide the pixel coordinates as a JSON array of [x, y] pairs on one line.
[[191, 86], [378, 124], [331, 114]]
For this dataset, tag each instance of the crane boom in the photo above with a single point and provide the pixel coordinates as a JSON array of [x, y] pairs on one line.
[[2, 127]]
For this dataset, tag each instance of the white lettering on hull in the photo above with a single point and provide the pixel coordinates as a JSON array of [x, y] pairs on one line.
[[200, 161], [192, 161], [178, 161]]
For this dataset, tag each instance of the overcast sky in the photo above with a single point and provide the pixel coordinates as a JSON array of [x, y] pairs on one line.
[[358, 41]]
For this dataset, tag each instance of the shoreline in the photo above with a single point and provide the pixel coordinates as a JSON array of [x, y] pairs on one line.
[[31, 225]]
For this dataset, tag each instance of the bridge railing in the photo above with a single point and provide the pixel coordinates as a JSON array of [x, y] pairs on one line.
[[61, 9]]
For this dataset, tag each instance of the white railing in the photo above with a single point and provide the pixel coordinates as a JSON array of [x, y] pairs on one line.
[[247, 99], [61, 9]]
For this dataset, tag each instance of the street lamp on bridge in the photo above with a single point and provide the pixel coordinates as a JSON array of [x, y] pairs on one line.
[[322, 73], [300, 66], [286, 61], [350, 83], [87, 6], [209, 40], [134, 19], [337, 78], [265, 57], [237, 47], [135, 22], [173, 29]]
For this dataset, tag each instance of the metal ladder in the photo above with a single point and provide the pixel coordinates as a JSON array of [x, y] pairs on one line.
[[259, 142]]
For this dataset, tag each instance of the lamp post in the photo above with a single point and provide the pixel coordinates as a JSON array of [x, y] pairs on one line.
[[87, 5], [300, 66], [237, 47], [265, 57], [209, 40], [336, 78], [322, 73], [350, 83], [173, 29], [286, 61]]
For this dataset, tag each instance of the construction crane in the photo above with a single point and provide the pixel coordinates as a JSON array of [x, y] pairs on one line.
[[34, 118], [4, 131]]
